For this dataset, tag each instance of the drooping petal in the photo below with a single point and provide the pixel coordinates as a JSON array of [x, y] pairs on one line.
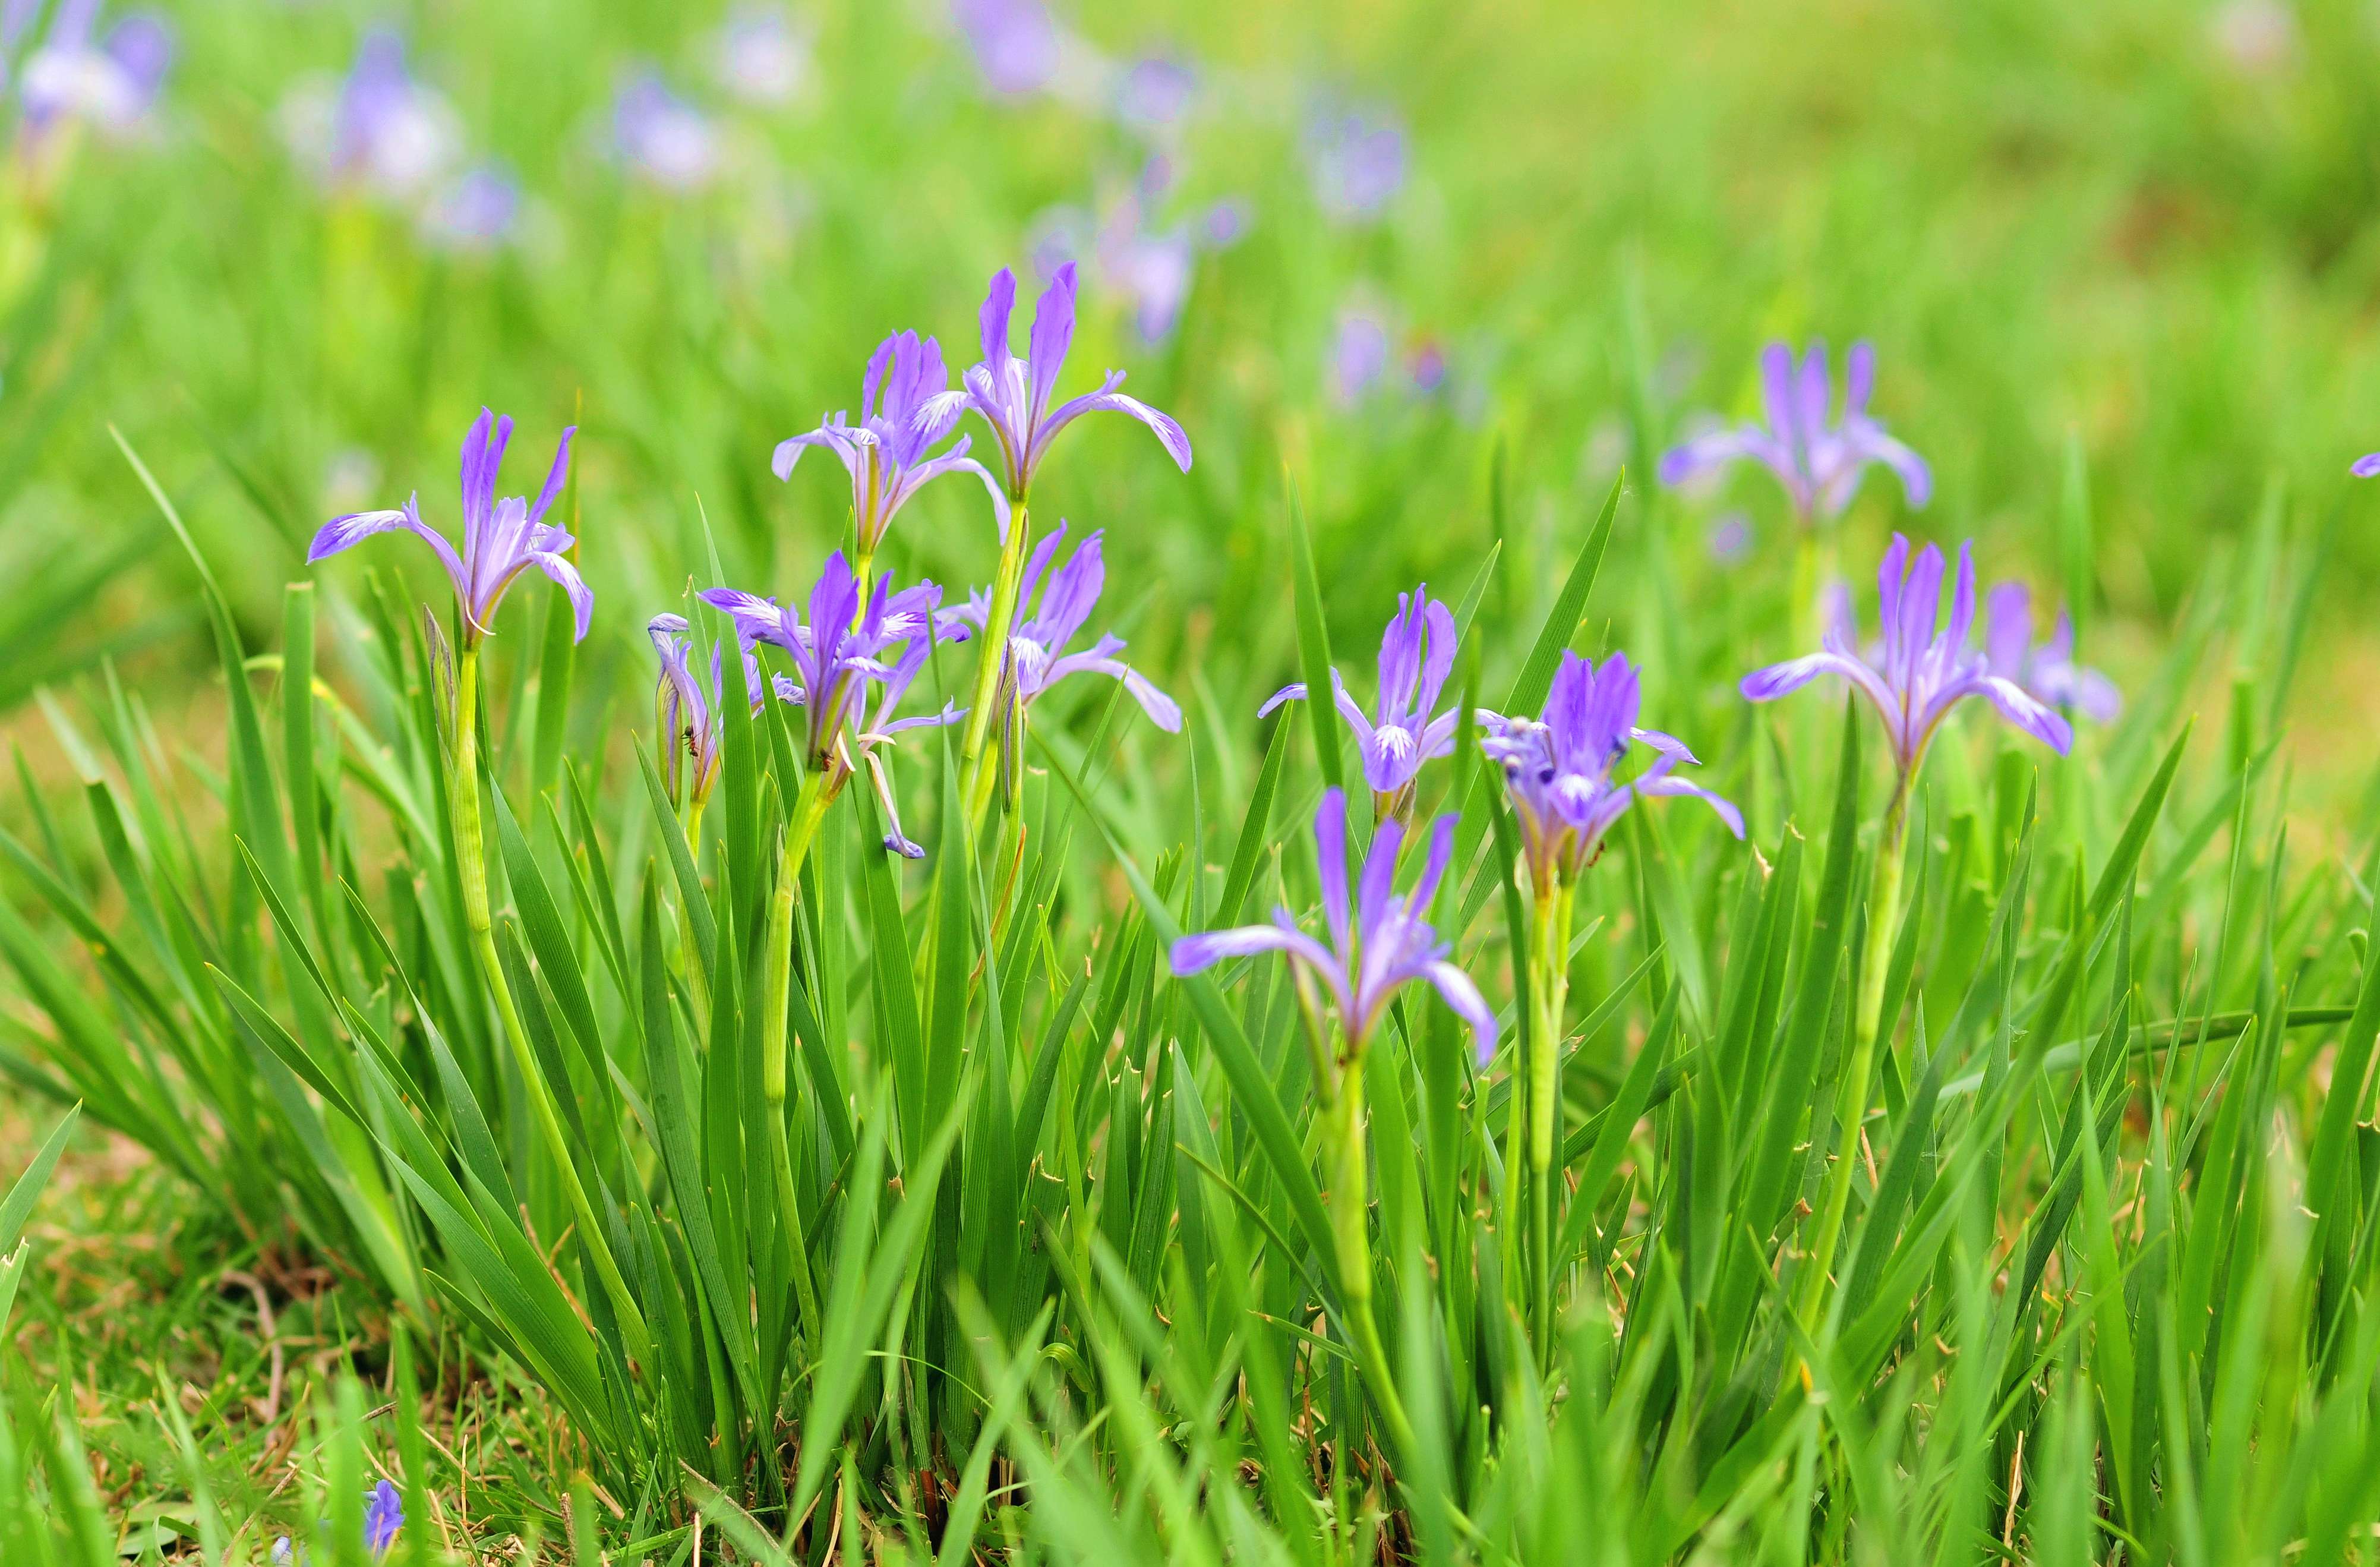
[[582, 600], [1665, 784], [1778, 679], [2027, 714], [756, 619], [1191, 955], [1107, 399], [1293, 692], [1689, 460], [1463, 999]]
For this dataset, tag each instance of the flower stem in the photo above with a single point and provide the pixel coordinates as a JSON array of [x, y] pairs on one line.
[[471, 866], [1548, 991], [1350, 1230], [980, 750], [809, 809], [1851, 1103]]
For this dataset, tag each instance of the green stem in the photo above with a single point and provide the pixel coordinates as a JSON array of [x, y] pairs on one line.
[[1548, 991], [1350, 1230], [471, 866], [1851, 1103], [809, 809], [979, 750]]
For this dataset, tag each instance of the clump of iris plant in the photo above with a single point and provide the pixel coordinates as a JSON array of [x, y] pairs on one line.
[[502, 539], [1406, 726], [1562, 777], [1037, 656], [1380, 943], [2045, 671], [1014, 398], [847, 645], [1921, 669], [890, 454]]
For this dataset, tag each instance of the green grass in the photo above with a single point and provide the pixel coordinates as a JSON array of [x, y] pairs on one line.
[[995, 1238]]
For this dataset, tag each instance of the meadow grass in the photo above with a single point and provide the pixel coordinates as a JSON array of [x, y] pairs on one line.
[[1977, 1174]]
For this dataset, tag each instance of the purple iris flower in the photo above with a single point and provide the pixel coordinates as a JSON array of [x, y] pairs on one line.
[[888, 452], [390, 130], [109, 82], [1558, 769], [688, 709], [501, 539], [1156, 92], [761, 56], [383, 1516], [1013, 395], [2045, 670], [1037, 659], [1015, 43], [841, 649], [661, 135], [476, 212], [1360, 351], [1922, 669], [1358, 161], [1819, 463], [1407, 728], [1386, 945]]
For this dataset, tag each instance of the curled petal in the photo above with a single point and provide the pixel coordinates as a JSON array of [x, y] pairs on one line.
[[1293, 692], [1689, 460], [582, 600], [1107, 399], [1778, 679], [1193, 953]]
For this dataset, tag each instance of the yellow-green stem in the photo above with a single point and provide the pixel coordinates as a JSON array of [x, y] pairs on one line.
[[1350, 1230], [1548, 991], [1851, 1103], [471, 866], [979, 750], [809, 809]]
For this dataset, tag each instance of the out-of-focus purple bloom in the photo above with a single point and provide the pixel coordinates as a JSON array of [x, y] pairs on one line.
[[2046, 670], [888, 452], [1013, 395], [1922, 669], [1154, 269], [501, 539], [1729, 539], [1225, 223], [1016, 44], [1037, 656], [1156, 92], [476, 211], [1558, 769], [1386, 945], [1819, 463], [1358, 161], [687, 710], [1429, 366], [2366, 466], [840, 648], [663, 136], [107, 82], [390, 132], [1406, 728], [1360, 352], [761, 56], [383, 1516]]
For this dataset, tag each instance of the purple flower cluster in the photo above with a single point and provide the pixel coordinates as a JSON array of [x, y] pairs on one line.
[[1559, 768], [75, 73], [501, 539], [1922, 668], [1377, 946], [1406, 726], [1012, 396], [384, 132], [889, 454], [1819, 459]]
